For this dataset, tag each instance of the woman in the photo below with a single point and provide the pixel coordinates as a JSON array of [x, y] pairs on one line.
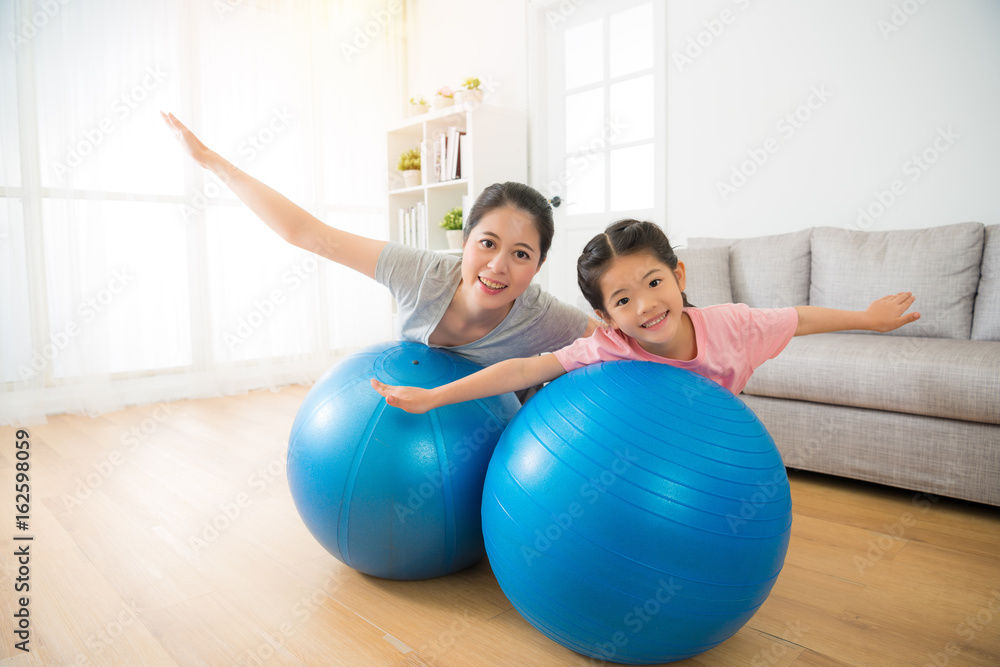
[[482, 306]]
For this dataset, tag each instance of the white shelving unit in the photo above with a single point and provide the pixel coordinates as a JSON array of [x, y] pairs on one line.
[[494, 150]]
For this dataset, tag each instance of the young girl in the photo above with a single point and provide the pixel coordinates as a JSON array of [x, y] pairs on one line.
[[633, 280]]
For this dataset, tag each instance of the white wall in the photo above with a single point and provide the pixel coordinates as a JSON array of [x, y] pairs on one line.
[[887, 95], [895, 78], [451, 40]]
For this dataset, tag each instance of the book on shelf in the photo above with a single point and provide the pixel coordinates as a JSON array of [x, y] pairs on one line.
[[444, 154], [412, 226], [424, 168], [442, 163], [461, 150], [454, 153]]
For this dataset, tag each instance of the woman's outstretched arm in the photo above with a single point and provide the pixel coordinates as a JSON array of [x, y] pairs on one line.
[[290, 221]]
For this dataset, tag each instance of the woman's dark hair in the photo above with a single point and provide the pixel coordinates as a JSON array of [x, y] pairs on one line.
[[522, 197], [625, 237]]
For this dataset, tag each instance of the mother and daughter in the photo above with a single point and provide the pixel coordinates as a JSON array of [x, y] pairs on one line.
[[633, 280], [484, 306]]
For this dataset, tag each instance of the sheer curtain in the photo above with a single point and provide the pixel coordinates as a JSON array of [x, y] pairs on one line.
[[127, 275]]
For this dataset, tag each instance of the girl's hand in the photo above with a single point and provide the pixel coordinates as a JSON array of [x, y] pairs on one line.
[[411, 399], [186, 138], [887, 313]]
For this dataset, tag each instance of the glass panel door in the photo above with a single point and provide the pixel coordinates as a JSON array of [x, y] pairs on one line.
[[599, 121]]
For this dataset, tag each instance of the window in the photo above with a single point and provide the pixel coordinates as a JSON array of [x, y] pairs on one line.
[[121, 262], [609, 105], [600, 119]]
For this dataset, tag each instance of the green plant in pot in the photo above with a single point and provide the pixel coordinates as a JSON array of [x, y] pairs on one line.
[[452, 226], [418, 105], [409, 164], [469, 91]]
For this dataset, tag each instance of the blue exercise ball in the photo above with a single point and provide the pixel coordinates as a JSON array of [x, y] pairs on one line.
[[635, 512], [393, 494]]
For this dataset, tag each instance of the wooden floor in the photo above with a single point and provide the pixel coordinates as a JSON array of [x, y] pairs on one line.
[[166, 535]]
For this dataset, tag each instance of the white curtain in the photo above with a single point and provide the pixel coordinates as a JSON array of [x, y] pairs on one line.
[[128, 275]]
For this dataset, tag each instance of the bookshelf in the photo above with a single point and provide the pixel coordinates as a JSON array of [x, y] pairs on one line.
[[493, 148]]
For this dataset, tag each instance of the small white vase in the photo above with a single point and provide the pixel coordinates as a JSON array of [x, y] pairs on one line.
[[411, 178], [454, 238], [465, 96], [440, 102], [418, 109]]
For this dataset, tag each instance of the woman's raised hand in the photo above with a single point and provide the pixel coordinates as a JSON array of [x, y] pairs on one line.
[[186, 138], [290, 221]]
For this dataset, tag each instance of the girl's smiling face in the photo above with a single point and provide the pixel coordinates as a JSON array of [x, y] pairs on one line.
[[642, 297], [501, 256]]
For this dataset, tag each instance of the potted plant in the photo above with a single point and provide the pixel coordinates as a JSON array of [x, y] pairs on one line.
[[409, 164], [418, 105], [444, 97], [469, 91], [452, 224]]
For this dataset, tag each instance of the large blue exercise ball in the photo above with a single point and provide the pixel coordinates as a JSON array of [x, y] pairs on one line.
[[635, 512], [393, 494]]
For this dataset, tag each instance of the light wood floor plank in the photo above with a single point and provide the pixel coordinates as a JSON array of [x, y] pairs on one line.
[[965, 526], [812, 659], [173, 528], [91, 620]]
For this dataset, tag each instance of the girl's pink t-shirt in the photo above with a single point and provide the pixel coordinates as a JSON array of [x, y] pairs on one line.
[[733, 340]]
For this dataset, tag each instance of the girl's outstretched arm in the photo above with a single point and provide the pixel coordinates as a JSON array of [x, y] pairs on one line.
[[883, 315], [500, 378], [291, 222]]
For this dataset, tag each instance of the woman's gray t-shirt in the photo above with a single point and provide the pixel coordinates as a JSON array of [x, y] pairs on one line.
[[424, 282]]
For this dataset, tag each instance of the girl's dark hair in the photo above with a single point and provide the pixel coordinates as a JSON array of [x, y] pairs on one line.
[[522, 197], [625, 237]]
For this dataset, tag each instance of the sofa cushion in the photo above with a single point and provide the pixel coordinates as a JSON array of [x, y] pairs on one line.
[[940, 265], [986, 316], [707, 274], [939, 377], [767, 271], [941, 456]]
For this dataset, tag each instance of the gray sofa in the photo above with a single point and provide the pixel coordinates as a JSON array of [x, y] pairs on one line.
[[917, 408]]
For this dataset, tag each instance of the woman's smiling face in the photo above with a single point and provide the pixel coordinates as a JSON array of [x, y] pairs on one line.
[[501, 256]]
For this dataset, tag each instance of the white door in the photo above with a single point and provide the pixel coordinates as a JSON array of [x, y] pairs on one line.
[[598, 120]]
